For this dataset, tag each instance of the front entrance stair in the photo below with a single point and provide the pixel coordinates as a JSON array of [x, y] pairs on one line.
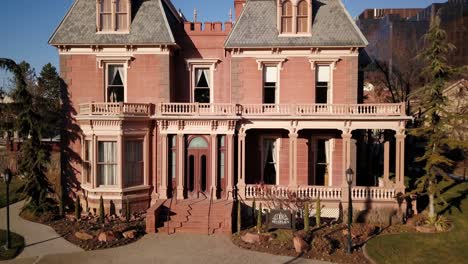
[[190, 216]]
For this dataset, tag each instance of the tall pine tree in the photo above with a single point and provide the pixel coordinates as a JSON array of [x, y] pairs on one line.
[[34, 156], [435, 124]]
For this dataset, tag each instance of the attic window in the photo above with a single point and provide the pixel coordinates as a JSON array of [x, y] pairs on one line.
[[286, 17], [113, 15], [294, 17]]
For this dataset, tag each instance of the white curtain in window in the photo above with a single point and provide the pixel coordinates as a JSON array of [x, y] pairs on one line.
[[273, 152], [266, 149], [207, 76], [271, 74], [323, 73], [107, 156], [122, 73]]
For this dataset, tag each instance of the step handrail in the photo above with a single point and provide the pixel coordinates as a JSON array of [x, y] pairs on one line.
[[209, 210]]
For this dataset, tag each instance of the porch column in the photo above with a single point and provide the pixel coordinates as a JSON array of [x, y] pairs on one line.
[[180, 166], [400, 160], [241, 164], [230, 165], [154, 167], [346, 138], [214, 165], [293, 159], [163, 188], [386, 162], [94, 179]]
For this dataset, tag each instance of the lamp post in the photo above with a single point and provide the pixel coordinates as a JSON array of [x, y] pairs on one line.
[[349, 179], [8, 176]]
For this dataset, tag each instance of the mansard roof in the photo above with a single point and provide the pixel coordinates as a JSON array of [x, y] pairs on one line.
[[149, 26], [331, 26]]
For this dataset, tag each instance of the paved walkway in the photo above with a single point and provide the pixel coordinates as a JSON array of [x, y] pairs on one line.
[[39, 239], [153, 248]]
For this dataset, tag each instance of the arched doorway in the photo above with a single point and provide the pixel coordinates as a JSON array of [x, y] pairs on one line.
[[198, 174]]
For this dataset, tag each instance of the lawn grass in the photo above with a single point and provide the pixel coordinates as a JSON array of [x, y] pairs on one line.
[[449, 247], [17, 244], [15, 184]]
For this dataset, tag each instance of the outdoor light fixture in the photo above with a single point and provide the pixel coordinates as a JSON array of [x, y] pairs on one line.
[[8, 175], [349, 179]]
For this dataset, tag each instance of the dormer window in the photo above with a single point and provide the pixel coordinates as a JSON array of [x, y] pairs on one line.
[[294, 17], [113, 15], [302, 17], [286, 17]]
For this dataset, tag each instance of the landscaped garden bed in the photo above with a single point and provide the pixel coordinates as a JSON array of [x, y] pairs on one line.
[[90, 233], [328, 243]]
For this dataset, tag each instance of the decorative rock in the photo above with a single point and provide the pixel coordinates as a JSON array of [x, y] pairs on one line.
[[106, 236], [129, 234], [300, 245], [83, 235], [250, 238]]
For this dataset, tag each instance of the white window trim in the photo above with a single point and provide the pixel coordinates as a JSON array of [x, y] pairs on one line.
[[192, 65], [277, 138], [273, 62], [331, 62], [141, 139], [106, 76]]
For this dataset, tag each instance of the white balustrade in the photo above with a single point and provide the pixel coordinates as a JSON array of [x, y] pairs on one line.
[[314, 192], [109, 109], [373, 193], [282, 192]]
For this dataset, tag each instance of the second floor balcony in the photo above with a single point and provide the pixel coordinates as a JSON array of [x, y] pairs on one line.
[[254, 111]]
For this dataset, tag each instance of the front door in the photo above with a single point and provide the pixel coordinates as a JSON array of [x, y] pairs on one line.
[[197, 176]]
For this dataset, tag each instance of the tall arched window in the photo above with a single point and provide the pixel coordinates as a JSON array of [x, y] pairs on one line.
[[302, 17], [106, 15], [113, 15], [286, 17]]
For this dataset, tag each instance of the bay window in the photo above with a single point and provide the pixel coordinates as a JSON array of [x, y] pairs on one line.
[[87, 161]]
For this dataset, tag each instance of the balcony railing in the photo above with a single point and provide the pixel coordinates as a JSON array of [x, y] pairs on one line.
[[115, 109], [253, 110], [246, 110]]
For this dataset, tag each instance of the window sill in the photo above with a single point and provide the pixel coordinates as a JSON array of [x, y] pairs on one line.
[[112, 32], [298, 35]]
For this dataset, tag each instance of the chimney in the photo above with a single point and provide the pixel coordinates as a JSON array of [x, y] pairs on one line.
[[238, 6]]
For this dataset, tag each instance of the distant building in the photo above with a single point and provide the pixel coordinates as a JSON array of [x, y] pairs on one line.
[[395, 35]]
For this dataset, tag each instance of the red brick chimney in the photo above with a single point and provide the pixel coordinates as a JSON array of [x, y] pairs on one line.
[[238, 6]]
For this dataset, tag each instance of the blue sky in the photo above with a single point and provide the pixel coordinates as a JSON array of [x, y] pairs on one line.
[[26, 25]]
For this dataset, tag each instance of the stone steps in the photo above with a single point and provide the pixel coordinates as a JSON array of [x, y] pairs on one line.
[[191, 216]]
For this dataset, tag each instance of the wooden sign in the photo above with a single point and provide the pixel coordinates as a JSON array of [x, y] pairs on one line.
[[281, 219]]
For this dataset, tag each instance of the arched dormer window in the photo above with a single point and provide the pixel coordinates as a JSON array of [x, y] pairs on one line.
[[302, 17], [113, 15], [294, 17], [287, 17]]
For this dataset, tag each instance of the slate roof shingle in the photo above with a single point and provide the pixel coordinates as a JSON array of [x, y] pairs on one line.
[[331, 26], [149, 26]]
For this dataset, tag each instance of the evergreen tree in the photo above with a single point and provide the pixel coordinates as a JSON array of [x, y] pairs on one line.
[[435, 126], [34, 155], [48, 93]]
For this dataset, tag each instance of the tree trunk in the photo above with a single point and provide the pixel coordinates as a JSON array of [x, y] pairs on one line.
[[431, 205]]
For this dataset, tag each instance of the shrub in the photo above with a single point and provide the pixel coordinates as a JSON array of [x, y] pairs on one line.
[[77, 208], [318, 212], [259, 219], [101, 210], [306, 217], [127, 210], [440, 223]]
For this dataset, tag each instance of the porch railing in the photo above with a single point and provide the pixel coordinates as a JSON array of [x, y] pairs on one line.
[[358, 193], [373, 193], [109, 109]]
